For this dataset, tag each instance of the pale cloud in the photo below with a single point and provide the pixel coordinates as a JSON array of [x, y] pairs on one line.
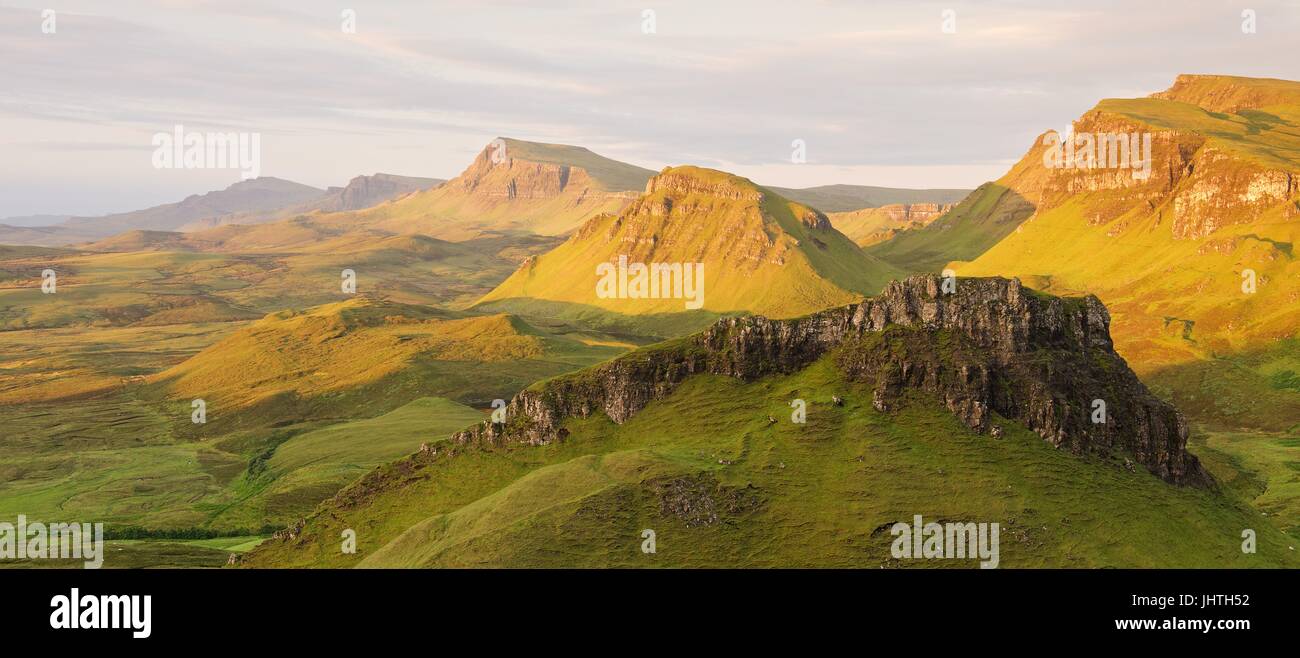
[[879, 94]]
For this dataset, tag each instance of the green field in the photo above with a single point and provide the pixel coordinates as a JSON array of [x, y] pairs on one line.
[[96, 380]]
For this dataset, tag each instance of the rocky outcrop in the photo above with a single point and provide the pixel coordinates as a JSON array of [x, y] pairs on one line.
[[682, 181], [990, 346], [868, 226], [913, 213], [506, 177], [1195, 185]]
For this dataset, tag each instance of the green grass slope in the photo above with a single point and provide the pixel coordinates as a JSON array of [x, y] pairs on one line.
[[309, 467], [987, 215], [721, 486], [345, 355]]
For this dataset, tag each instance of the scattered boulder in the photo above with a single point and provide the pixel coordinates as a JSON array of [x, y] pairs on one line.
[[700, 500]]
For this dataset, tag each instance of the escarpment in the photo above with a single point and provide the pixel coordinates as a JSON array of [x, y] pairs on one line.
[[1198, 186], [492, 174], [989, 346]]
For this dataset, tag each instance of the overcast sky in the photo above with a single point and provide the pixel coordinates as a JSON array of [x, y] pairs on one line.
[[879, 93]]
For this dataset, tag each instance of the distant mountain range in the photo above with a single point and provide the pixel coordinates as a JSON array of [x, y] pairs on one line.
[[844, 198], [33, 220], [551, 189], [247, 202], [360, 192], [512, 186]]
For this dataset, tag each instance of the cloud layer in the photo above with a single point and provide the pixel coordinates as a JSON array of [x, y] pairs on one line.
[[880, 94]]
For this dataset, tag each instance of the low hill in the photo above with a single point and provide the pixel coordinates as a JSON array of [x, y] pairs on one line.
[[140, 240], [28, 221], [966, 407], [342, 355], [256, 201], [339, 346], [760, 253], [248, 196], [239, 272]]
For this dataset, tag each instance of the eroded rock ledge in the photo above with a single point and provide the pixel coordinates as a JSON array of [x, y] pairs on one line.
[[990, 346]]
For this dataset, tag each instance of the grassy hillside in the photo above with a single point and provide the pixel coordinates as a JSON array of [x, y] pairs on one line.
[[1168, 255], [761, 253], [722, 487], [96, 379], [340, 357], [311, 466], [298, 404], [978, 222], [1250, 120]]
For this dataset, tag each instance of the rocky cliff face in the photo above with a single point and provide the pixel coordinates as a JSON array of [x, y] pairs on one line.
[[868, 226], [906, 213], [1196, 185], [990, 346], [680, 182], [504, 177]]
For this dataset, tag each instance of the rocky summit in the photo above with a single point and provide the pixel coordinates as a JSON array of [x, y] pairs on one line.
[[986, 348]]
